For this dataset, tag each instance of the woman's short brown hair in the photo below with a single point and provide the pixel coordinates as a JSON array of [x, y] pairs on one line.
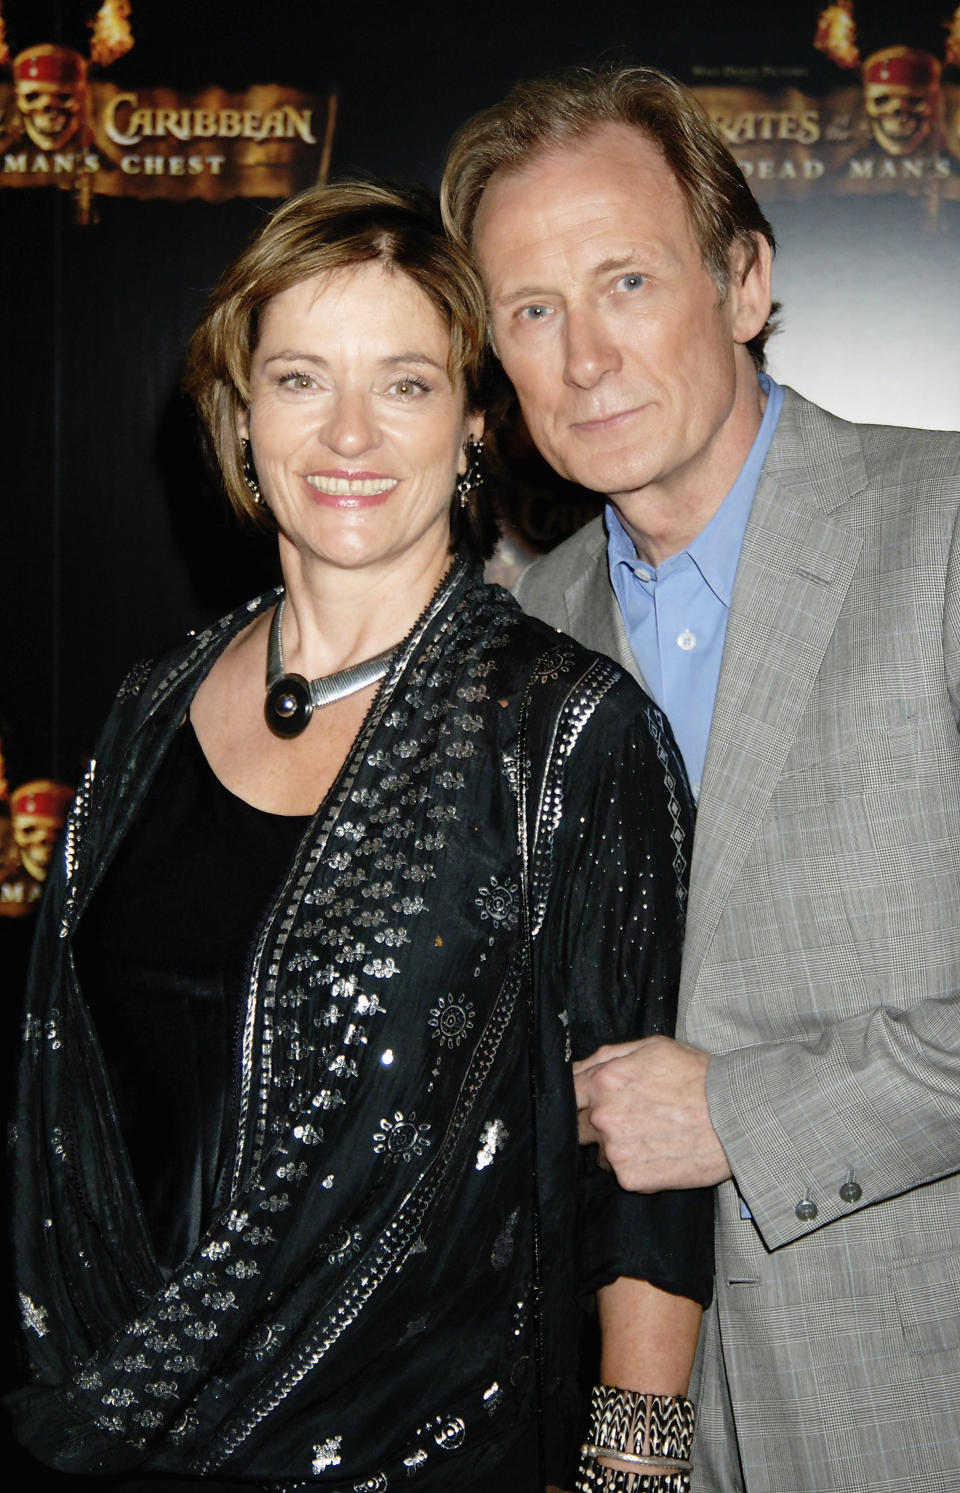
[[323, 229], [545, 113]]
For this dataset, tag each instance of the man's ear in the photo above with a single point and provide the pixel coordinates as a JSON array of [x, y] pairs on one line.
[[750, 295]]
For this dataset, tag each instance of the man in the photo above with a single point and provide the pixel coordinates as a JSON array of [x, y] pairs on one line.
[[787, 587]]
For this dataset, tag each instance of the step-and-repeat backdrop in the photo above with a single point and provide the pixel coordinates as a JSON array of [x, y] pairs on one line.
[[141, 143]]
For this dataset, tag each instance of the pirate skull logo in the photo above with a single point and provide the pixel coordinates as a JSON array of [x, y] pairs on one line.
[[901, 85], [50, 82], [37, 811], [901, 94], [51, 94]]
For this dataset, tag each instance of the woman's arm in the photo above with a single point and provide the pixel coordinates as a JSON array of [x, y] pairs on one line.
[[649, 1337], [622, 848]]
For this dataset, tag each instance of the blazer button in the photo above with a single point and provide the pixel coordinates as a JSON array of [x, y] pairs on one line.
[[806, 1210], [850, 1190]]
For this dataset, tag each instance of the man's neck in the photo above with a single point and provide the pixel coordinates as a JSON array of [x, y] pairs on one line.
[[663, 518]]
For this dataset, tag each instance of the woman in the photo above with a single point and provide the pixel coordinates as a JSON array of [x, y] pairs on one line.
[[351, 873]]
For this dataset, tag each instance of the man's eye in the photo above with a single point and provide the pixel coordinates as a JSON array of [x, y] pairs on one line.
[[630, 282], [533, 313]]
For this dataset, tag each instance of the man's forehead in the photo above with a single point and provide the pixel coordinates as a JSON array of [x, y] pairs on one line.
[[609, 192], [605, 140], [610, 156]]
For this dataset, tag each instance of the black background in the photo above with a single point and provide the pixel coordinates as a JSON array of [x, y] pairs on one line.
[[113, 540]]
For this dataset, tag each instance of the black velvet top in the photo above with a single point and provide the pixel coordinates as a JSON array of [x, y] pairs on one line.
[[163, 955]]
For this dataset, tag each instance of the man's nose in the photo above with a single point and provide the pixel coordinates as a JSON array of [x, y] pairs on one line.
[[590, 350]]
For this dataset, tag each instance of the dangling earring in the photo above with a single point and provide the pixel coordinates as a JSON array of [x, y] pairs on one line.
[[250, 472], [472, 477]]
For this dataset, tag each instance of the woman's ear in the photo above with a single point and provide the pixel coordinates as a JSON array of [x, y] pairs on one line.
[[243, 423], [472, 431]]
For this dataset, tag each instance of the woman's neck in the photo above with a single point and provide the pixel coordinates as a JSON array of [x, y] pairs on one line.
[[334, 616]]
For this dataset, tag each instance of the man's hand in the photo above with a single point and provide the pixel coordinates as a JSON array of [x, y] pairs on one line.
[[645, 1104]]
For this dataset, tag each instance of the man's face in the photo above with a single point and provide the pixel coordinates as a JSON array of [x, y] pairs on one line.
[[629, 367]]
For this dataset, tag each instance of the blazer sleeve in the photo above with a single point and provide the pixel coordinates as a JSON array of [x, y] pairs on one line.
[[608, 951], [868, 1107]]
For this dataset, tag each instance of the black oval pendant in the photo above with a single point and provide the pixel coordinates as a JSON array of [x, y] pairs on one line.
[[288, 706]]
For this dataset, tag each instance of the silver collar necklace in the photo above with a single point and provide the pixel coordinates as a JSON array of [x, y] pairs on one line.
[[291, 699]]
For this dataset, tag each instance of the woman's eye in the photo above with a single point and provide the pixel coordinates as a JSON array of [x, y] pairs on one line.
[[408, 388], [296, 380]]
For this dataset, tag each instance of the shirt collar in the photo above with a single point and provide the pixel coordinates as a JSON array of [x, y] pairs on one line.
[[715, 551]]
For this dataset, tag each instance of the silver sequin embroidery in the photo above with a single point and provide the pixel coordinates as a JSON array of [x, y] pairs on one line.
[[493, 1137]]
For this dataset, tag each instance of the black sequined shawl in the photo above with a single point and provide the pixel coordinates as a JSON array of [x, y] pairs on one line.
[[365, 1308]]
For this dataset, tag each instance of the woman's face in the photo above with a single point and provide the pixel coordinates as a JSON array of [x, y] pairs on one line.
[[357, 428]]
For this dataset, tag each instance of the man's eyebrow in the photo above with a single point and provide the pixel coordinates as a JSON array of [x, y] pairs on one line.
[[522, 293], [621, 262], [604, 267]]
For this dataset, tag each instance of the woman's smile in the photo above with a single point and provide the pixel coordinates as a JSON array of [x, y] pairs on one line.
[[356, 488], [357, 427]]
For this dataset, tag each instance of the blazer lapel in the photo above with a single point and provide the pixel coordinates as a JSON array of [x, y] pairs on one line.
[[593, 616], [795, 569]]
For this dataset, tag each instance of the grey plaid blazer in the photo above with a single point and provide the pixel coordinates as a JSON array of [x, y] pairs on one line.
[[822, 965]]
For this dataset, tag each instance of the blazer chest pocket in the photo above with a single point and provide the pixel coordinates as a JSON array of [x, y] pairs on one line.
[[927, 1294], [878, 755]]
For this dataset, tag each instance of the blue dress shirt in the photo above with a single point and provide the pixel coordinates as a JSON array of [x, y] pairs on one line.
[[676, 615]]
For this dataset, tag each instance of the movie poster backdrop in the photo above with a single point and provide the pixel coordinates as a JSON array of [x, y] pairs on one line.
[[140, 145]]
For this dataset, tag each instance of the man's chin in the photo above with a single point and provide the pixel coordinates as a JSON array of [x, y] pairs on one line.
[[618, 485], [620, 469]]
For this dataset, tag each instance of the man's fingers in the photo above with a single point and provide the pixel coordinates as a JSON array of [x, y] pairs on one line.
[[588, 1136], [592, 1072], [605, 1055]]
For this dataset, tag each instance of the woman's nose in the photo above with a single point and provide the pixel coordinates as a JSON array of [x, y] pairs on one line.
[[349, 426]]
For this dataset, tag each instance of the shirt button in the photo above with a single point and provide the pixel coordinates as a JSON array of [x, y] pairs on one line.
[[806, 1210], [850, 1190], [686, 640], [642, 574]]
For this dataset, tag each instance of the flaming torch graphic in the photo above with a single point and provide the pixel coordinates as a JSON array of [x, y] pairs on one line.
[[952, 53], [837, 34], [112, 37], [4, 49]]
